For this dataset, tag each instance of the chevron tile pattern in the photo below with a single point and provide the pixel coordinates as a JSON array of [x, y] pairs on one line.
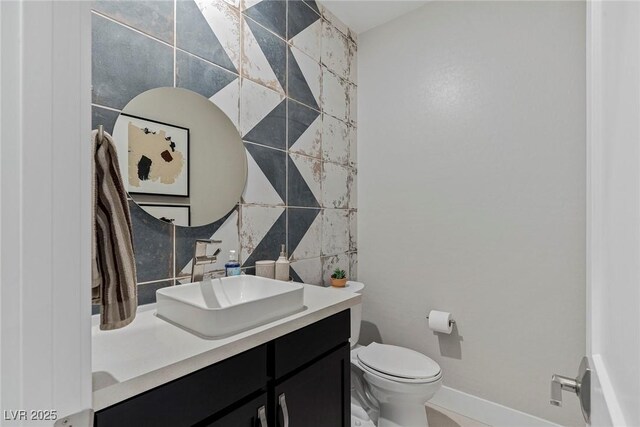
[[285, 73]]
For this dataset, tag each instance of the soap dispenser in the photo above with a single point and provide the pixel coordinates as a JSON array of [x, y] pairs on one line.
[[232, 268], [282, 266]]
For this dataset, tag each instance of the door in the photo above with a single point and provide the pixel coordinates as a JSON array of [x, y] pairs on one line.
[[317, 396], [613, 213]]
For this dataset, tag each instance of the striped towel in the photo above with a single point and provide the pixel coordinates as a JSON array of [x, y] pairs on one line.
[[114, 269]]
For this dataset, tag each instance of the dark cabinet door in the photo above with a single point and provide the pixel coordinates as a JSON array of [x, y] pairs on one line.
[[252, 414], [317, 396]]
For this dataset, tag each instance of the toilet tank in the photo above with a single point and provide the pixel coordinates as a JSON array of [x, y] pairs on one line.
[[356, 311]]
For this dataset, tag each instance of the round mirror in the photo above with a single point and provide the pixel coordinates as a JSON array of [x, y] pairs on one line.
[[181, 157]]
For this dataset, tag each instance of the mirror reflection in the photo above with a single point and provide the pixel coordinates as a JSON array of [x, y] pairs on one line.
[[181, 157]]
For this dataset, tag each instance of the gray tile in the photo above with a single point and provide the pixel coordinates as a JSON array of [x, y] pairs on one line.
[[147, 291], [200, 76], [126, 63], [195, 35], [151, 17], [273, 165], [272, 129], [300, 16], [104, 117], [271, 14], [152, 245]]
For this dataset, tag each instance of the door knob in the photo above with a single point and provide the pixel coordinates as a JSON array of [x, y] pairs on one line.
[[581, 386]]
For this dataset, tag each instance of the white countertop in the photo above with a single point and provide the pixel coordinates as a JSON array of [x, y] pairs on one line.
[[150, 351]]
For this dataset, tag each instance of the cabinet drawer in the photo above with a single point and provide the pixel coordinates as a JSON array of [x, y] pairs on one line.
[[192, 398], [302, 346]]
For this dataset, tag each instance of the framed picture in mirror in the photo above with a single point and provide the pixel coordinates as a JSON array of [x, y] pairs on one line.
[[156, 155], [174, 214]]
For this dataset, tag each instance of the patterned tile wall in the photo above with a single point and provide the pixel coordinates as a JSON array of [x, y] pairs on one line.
[[285, 73]]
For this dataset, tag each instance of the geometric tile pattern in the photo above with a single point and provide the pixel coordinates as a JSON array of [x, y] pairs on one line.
[[285, 73]]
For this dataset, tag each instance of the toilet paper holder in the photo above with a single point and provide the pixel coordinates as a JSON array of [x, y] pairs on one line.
[[451, 322]]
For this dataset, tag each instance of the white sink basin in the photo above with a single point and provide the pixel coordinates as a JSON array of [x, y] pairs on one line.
[[216, 308]]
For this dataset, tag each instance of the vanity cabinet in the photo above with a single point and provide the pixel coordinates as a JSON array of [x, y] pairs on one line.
[[302, 377]]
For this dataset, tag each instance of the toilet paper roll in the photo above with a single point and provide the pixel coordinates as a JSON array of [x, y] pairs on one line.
[[440, 321]]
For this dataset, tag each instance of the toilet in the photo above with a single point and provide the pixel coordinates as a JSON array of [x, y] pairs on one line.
[[389, 384]]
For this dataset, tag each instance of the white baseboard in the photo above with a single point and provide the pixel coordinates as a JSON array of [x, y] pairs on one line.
[[485, 411]]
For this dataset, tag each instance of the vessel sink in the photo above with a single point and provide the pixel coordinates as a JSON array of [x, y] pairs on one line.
[[216, 308]]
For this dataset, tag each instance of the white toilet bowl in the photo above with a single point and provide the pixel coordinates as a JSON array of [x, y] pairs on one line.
[[400, 380]]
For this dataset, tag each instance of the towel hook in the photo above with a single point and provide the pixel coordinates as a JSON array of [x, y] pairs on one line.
[[100, 134]]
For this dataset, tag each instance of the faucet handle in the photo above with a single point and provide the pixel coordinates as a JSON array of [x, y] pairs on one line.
[[200, 247]]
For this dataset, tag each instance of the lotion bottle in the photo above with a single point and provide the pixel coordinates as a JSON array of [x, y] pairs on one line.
[[282, 266]]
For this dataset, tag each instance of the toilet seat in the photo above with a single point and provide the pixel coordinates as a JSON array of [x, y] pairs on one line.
[[398, 364]]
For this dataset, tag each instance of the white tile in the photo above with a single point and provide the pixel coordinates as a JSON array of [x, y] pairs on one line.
[[258, 189], [246, 4], [333, 19], [334, 95], [256, 102], [308, 40], [255, 65], [335, 140], [353, 63], [310, 142], [335, 186], [352, 100], [255, 223], [353, 189], [353, 147], [312, 72], [353, 266], [225, 24], [329, 264], [335, 50], [335, 231], [309, 270], [228, 100], [234, 3], [309, 246], [311, 171], [353, 230]]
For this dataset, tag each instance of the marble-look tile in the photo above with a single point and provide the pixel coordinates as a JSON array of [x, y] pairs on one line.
[[200, 76], [125, 63], [271, 14], [264, 56], [262, 115], [307, 271], [304, 233], [225, 229], [334, 95], [152, 245], [353, 147], [304, 78], [304, 130], [147, 291], [304, 29], [353, 189], [335, 50], [224, 20], [266, 177], [151, 17], [104, 117], [336, 140], [353, 230], [305, 175], [335, 186], [330, 263], [335, 231], [353, 266], [216, 39], [262, 231]]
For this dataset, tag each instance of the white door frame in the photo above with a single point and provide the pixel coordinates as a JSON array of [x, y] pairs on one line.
[[45, 207], [613, 211]]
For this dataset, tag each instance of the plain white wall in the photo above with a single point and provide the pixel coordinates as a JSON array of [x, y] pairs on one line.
[[472, 193]]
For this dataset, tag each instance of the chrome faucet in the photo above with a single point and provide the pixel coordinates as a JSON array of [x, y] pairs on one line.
[[200, 258]]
